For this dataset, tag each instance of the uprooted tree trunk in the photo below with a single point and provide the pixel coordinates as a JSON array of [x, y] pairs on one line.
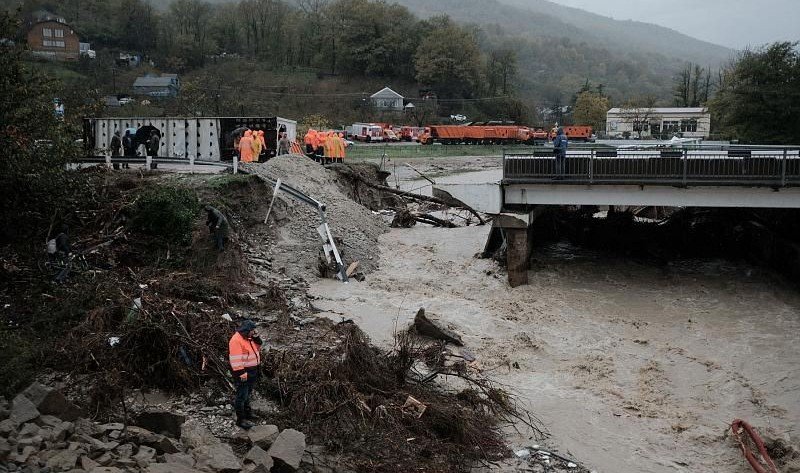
[[409, 195]]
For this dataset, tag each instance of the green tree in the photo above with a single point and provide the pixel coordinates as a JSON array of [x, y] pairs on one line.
[[137, 25], [501, 69], [590, 109], [448, 59], [34, 144], [758, 100]]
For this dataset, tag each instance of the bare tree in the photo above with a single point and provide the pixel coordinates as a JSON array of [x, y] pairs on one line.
[[638, 112]]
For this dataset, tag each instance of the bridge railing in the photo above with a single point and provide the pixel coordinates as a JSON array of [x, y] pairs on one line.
[[767, 166]]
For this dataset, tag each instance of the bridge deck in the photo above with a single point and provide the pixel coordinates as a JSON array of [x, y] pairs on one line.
[[777, 167]]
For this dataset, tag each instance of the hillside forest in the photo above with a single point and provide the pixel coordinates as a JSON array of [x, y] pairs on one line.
[[321, 59]]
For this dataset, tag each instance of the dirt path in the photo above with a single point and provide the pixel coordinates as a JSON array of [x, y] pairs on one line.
[[632, 368]]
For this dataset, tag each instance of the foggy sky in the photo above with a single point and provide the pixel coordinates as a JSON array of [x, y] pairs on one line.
[[732, 23]]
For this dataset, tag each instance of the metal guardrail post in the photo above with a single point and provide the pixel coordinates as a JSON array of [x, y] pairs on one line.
[[235, 164], [148, 162], [504, 163], [591, 166], [685, 166], [783, 168]]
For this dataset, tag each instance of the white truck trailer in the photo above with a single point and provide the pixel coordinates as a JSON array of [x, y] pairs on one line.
[[201, 139]]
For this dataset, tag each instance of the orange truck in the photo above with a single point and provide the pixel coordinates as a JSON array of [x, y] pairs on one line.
[[476, 134], [577, 133], [411, 133]]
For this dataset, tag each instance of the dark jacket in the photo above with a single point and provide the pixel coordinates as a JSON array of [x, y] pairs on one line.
[[127, 145], [115, 145], [561, 142], [153, 144], [216, 221]]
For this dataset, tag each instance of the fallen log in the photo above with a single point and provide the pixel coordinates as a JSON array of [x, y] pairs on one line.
[[437, 222], [429, 326]]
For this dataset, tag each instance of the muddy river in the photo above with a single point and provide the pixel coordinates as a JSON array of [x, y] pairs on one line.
[[631, 367]]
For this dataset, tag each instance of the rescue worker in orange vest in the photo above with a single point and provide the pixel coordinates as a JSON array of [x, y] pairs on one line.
[[257, 147], [262, 141], [329, 147], [319, 146], [246, 147], [342, 147], [308, 140], [244, 350]]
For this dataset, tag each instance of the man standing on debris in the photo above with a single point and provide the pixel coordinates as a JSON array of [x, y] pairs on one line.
[[217, 225], [244, 350]]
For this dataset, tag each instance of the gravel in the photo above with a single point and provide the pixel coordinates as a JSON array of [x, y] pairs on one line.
[[298, 246]]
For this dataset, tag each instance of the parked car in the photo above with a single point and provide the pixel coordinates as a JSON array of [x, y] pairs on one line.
[[126, 101]]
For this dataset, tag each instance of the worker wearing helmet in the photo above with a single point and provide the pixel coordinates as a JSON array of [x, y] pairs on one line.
[[244, 352]]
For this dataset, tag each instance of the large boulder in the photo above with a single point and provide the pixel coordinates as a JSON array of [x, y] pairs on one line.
[[430, 326], [161, 422], [183, 459], [63, 460], [22, 410], [194, 434], [259, 457], [263, 435], [287, 450], [7, 427], [218, 458], [142, 436], [51, 402], [145, 456]]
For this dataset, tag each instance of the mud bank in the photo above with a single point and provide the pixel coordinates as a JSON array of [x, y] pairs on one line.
[[633, 367]]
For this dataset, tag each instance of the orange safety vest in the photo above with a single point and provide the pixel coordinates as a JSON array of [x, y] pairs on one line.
[[243, 353]]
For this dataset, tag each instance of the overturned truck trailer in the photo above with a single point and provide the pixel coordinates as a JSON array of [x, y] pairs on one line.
[[199, 139]]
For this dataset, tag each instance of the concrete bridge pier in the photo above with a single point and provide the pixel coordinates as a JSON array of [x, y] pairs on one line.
[[512, 232]]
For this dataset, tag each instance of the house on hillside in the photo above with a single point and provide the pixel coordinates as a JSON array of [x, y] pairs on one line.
[[52, 38], [664, 123], [165, 85], [387, 100]]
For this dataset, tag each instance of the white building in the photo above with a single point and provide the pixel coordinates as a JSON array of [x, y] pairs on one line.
[[387, 99], [661, 123]]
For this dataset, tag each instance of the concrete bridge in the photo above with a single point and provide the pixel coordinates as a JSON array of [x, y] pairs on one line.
[[756, 177]]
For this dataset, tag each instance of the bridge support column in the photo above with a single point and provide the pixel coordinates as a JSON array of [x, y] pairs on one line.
[[518, 256], [514, 229]]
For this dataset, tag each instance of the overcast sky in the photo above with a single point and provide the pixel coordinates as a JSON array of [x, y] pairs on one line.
[[732, 23]]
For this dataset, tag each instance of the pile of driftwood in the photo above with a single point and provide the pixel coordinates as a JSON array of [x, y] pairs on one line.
[[387, 410]]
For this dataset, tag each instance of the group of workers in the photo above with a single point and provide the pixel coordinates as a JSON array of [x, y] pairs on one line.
[[250, 145], [325, 146]]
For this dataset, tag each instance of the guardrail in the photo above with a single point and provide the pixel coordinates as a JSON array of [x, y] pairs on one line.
[[754, 166], [144, 160]]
